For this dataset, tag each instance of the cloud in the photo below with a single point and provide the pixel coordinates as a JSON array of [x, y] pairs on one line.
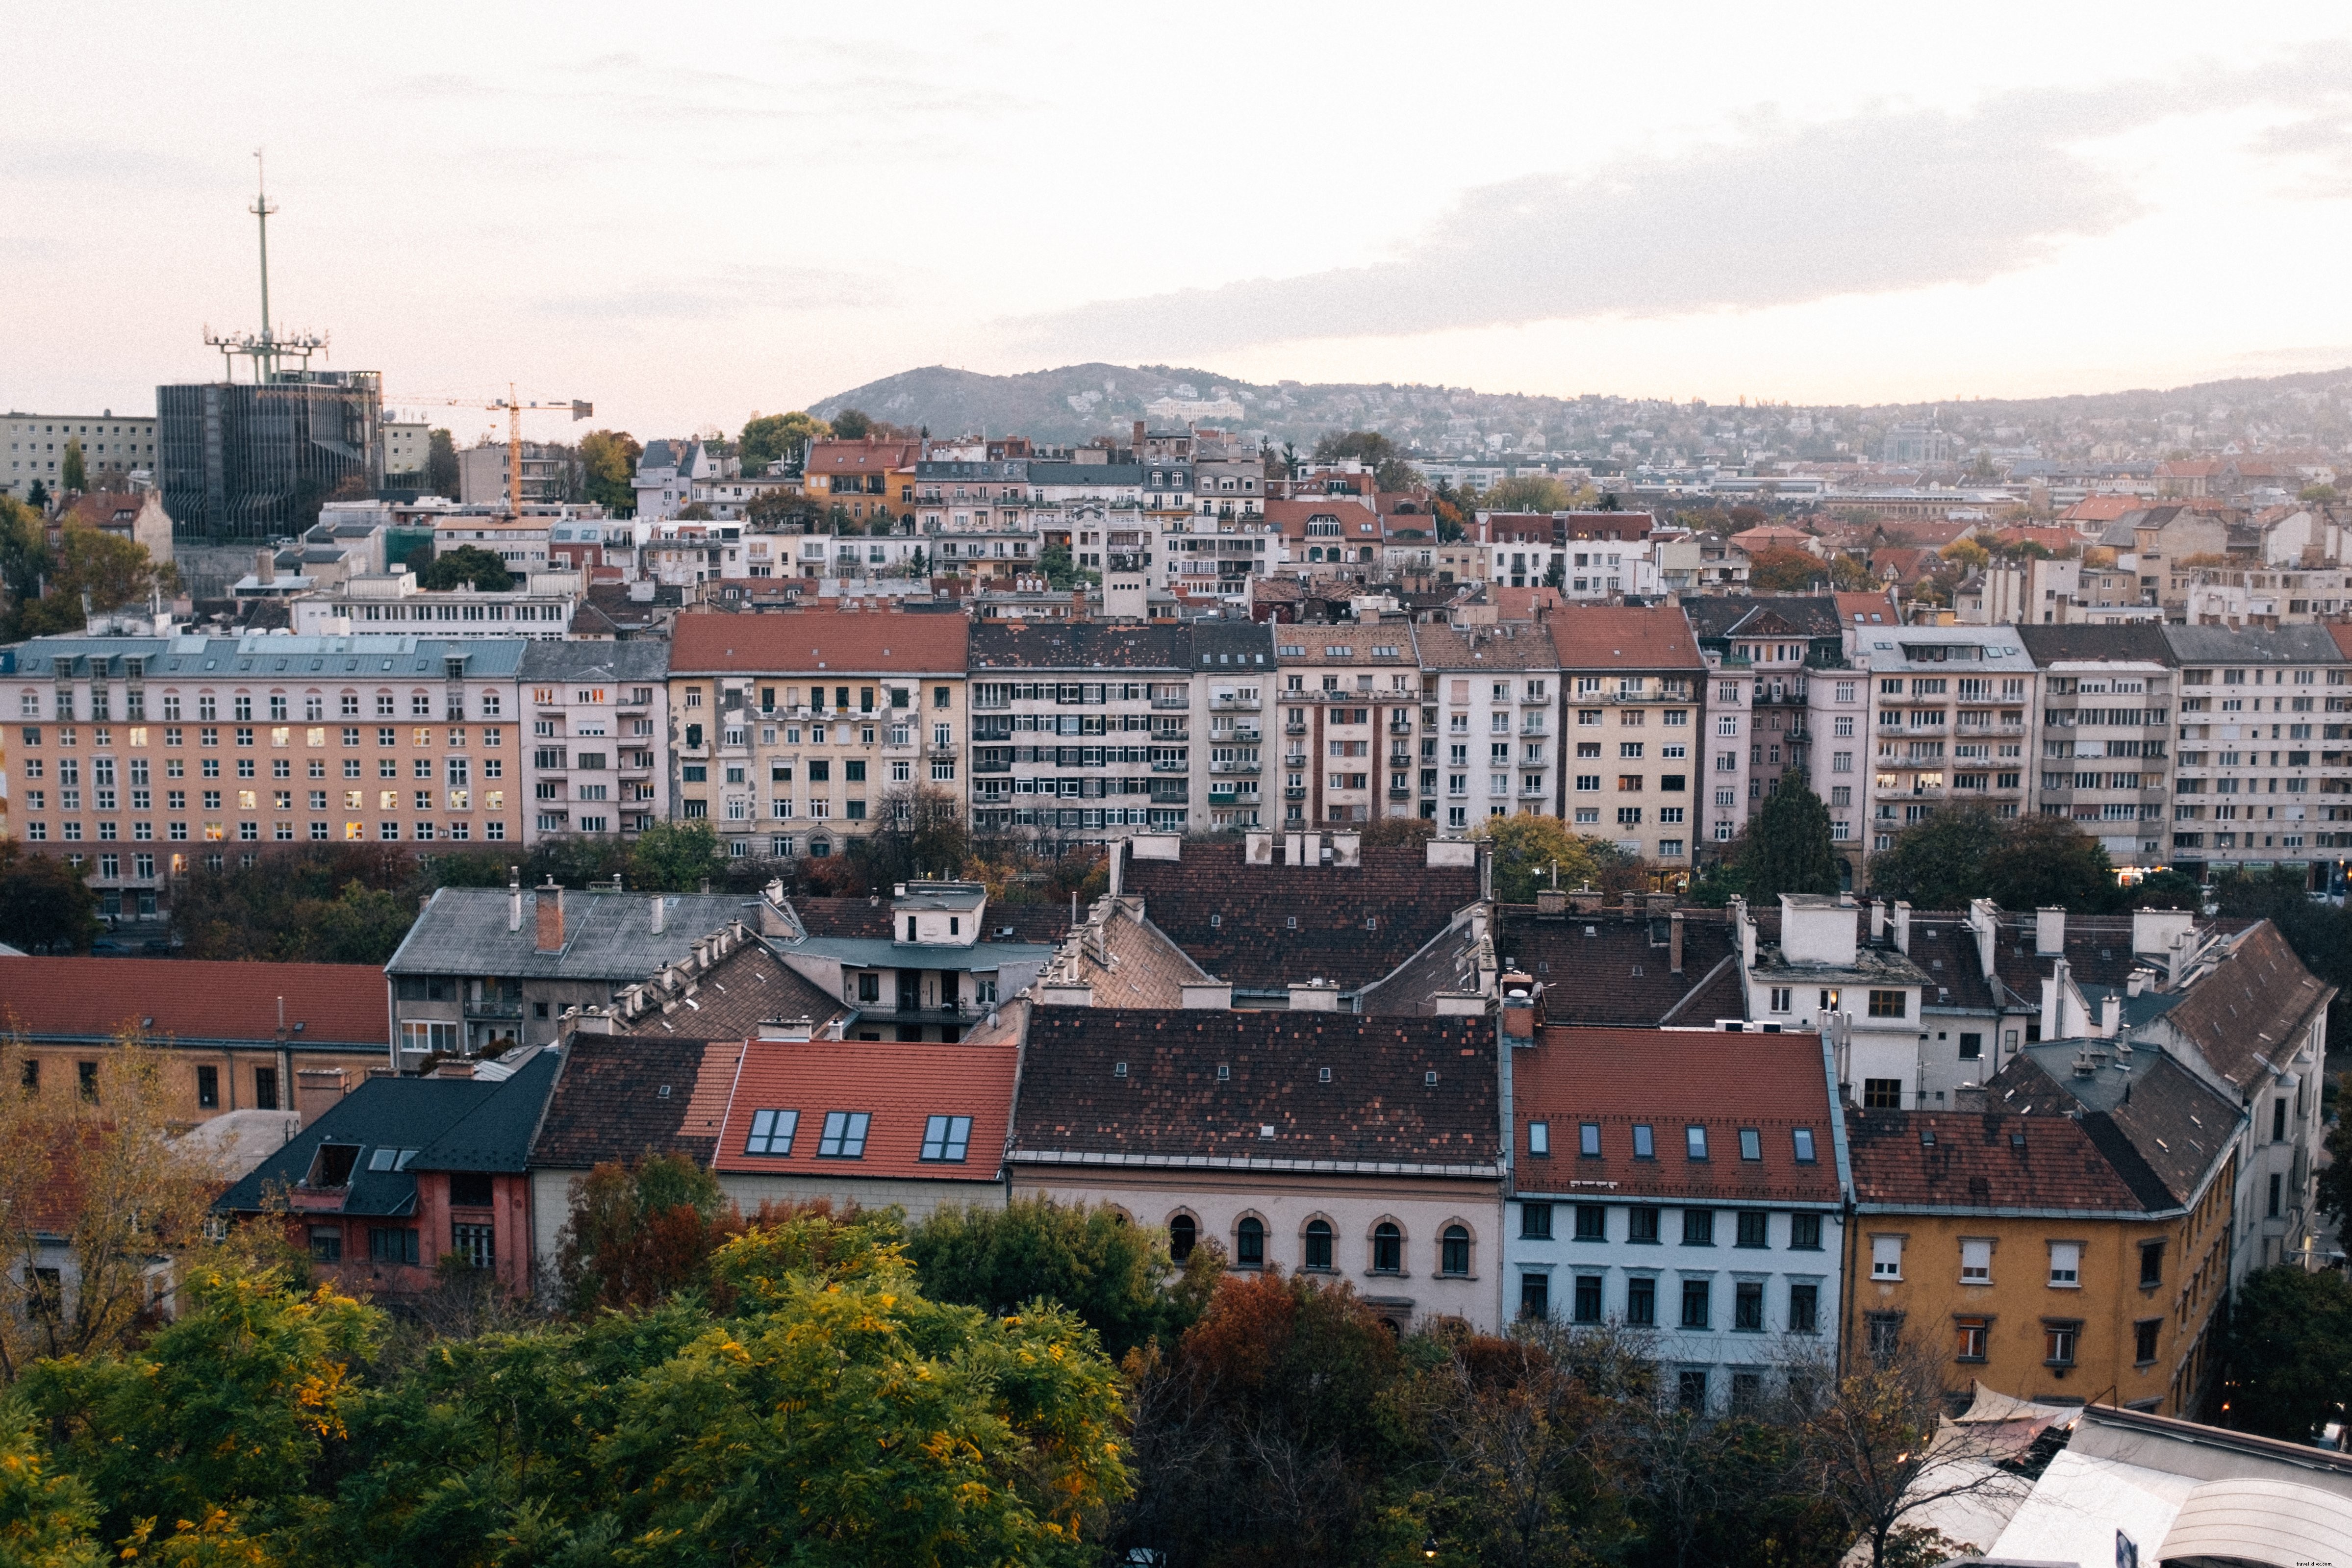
[[1886, 201], [729, 292]]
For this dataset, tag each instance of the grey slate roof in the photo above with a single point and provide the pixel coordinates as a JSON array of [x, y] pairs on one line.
[[1223, 644], [2226, 646], [42, 656], [1810, 615], [596, 660], [455, 1125], [606, 936], [2049, 644], [370, 654]]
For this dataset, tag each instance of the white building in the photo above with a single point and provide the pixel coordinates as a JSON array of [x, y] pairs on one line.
[[1865, 998], [599, 717], [36, 447]]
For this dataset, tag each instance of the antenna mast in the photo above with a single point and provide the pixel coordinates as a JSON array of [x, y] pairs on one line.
[[264, 349]]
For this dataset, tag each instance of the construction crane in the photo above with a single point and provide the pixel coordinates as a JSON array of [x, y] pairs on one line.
[[515, 409]]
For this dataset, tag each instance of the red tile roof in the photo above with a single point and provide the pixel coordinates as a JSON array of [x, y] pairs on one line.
[[2102, 508], [94, 998], [836, 642], [899, 1086], [1868, 609], [867, 457], [1625, 636], [1912, 1159], [1671, 1080]]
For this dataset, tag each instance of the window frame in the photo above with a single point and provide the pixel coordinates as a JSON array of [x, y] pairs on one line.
[[947, 1138], [842, 1130], [761, 1137]]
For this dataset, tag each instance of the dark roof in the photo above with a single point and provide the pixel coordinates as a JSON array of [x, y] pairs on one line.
[[2047, 645], [606, 936], [733, 997], [1266, 928], [1448, 964], [1943, 944], [869, 918], [624, 1097], [2248, 1015], [1981, 1160], [1080, 645], [2251, 646], [2098, 952], [1612, 967], [1222, 644], [2157, 1124], [1763, 614], [1169, 1102], [558, 661], [454, 1124], [1671, 1080], [195, 1000]]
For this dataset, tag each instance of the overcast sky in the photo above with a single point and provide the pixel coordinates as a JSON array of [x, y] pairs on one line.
[[688, 213]]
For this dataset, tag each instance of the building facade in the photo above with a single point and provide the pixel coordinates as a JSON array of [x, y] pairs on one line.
[[2104, 734], [245, 459], [36, 447], [1490, 701], [1350, 703], [2259, 783], [1951, 719], [1634, 727], [599, 717]]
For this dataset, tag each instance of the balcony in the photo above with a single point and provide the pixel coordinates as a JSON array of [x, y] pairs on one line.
[[1237, 767], [1169, 765], [1297, 729], [1399, 792], [1176, 704], [1236, 737], [1230, 704], [1294, 793], [992, 767], [494, 1007]]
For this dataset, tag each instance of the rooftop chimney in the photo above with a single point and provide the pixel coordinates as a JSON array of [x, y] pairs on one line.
[[265, 565], [1877, 922], [661, 913], [551, 917], [1675, 943], [1903, 927], [514, 898], [2048, 931]]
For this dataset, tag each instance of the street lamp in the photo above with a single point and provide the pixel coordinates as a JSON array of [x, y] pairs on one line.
[[1429, 1548]]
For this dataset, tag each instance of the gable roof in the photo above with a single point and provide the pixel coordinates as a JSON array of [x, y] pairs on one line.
[[1378, 1112], [606, 936], [620, 1098], [810, 642], [899, 1087], [2047, 645], [729, 1000], [1266, 928], [1124, 960], [1625, 636], [196, 1000], [1671, 1080], [2247, 1014], [2158, 1126], [1614, 968], [868, 919], [1982, 1159], [1760, 614]]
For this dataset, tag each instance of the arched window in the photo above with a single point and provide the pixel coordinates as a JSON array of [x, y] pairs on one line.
[[1318, 1244], [1454, 1251], [1182, 1234], [1388, 1249], [1249, 1243]]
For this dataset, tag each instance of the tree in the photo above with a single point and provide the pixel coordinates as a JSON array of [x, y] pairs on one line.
[[469, 565], [1850, 574], [1399, 833], [694, 511], [2335, 1179], [45, 905], [2318, 493], [1783, 571], [2289, 1358], [1968, 553], [674, 858], [2168, 890], [1937, 864], [852, 424], [2042, 860], [782, 509], [1786, 848], [1525, 850], [1555, 574], [1060, 575], [112, 570], [1113, 1274], [38, 497], [47, 1515], [1526, 492], [1375, 451], [639, 1234], [611, 458], [768, 436], [441, 463], [2321, 935], [75, 476]]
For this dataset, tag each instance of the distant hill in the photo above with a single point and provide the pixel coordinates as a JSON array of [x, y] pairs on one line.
[[1077, 402]]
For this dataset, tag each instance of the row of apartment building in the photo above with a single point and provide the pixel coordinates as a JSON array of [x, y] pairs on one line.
[[1657, 728]]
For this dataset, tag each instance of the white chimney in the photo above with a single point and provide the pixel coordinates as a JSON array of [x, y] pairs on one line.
[[514, 898], [1903, 927], [2048, 931], [1877, 922], [660, 913]]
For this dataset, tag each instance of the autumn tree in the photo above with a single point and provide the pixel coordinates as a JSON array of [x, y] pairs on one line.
[[1784, 571], [1526, 850], [468, 565], [610, 458], [768, 436], [640, 1233], [45, 906], [76, 473]]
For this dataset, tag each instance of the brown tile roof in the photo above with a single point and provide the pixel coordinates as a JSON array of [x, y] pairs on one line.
[[1943, 945], [867, 457], [1266, 928], [1508, 645], [1627, 637], [2249, 1015], [1670, 1080], [1449, 963], [2342, 631], [2098, 952], [622, 1097], [1982, 1161], [1614, 968], [1377, 1105], [1868, 609], [1081, 645], [862, 642], [733, 997], [2158, 1126], [195, 999], [900, 1088], [1355, 514], [1126, 960]]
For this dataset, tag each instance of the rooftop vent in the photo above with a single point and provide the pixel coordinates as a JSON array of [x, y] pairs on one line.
[[1224, 1072], [1118, 1070], [1429, 1078]]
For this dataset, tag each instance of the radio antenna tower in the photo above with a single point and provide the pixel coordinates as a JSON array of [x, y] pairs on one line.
[[266, 349]]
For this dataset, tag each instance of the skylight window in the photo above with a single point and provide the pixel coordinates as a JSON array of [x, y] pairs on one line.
[[946, 1137], [381, 1159], [1804, 1138], [1695, 1141], [1645, 1142], [845, 1135], [772, 1132], [1751, 1143]]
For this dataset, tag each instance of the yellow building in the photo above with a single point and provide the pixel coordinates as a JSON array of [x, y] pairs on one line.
[[867, 479], [2069, 1244]]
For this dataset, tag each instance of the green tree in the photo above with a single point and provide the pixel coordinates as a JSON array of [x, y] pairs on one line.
[[2044, 860], [1785, 571], [441, 463], [639, 1234], [75, 476], [852, 424], [1060, 573], [45, 905], [112, 570], [2318, 493], [1786, 848], [1850, 574], [1526, 492], [1937, 863], [47, 1515], [1113, 1274], [2289, 1357], [674, 858], [466, 564], [782, 509], [768, 436], [1525, 850], [2168, 890], [360, 925], [1375, 451], [38, 497], [24, 550], [610, 458]]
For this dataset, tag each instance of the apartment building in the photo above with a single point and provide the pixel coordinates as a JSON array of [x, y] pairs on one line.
[[2103, 741], [599, 714], [1950, 713], [2259, 783], [37, 442], [1085, 729], [1349, 701], [866, 481], [539, 607], [1521, 547], [1777, 642], [1724, 770], [1490, 714], [1837, 718], [792, 733], [136, 753], [1633, 727]]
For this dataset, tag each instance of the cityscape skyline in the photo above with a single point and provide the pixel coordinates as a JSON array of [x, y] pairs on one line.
[[690, 228]]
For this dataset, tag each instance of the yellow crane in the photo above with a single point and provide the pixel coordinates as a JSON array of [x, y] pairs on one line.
[[515, 409]]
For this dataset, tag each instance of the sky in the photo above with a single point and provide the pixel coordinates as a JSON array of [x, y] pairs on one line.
[[690, 214]]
